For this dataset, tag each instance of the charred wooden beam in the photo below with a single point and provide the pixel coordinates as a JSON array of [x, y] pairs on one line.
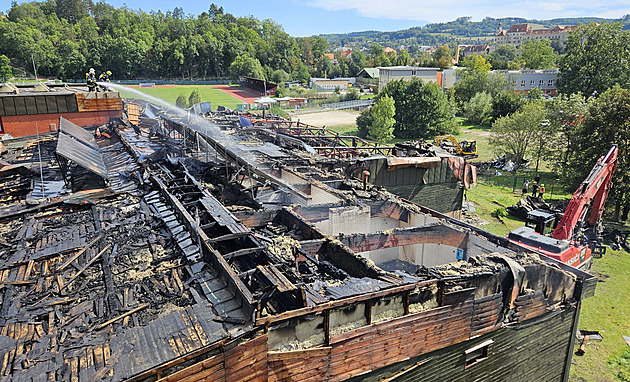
[[429, 234]]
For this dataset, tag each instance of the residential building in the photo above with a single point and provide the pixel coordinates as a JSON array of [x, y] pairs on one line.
[[469, 50], [391, 73], [519, 34], [522, 81], [389, 50]]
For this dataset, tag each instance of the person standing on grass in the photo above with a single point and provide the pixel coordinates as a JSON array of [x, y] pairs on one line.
[[541, 192], [535, 189], [525, 187]]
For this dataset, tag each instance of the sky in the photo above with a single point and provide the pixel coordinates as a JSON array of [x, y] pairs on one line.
[[302, 18]]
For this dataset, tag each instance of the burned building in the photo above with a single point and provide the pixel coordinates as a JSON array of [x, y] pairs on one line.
[[30, 110], [178, 250]]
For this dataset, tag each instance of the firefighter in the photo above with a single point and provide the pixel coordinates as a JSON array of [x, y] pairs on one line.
[[90, 79], [104, 77]]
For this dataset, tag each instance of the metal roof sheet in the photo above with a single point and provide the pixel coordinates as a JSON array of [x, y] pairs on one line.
[[85, 156], [77, 132]]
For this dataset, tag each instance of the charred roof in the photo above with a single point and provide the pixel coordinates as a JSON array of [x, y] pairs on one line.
[[204, 234]]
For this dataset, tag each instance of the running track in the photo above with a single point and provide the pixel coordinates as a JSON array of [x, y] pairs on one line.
[[234, 92]]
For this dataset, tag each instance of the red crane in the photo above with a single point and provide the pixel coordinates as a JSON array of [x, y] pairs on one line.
[[568, 241]]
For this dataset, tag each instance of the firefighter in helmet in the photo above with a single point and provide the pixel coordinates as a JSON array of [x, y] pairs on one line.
[[104, 77], [90, 79]]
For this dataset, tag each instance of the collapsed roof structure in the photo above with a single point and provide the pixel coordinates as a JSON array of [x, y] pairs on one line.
[[193, 248]]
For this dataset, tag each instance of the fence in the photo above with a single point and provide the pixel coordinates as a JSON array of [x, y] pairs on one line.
[[356, 104], [218, 81]]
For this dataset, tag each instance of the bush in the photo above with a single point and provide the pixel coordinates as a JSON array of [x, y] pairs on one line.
[[281, 91], [194, 97], [364, 120], [478, 110], [506, 103], [499, 213], [181, 101], [278, 111]]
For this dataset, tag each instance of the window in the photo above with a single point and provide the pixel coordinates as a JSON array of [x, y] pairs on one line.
[[523, 83], [413, 72], [532, 83], [477, 353], [550, 83], [541, 83]]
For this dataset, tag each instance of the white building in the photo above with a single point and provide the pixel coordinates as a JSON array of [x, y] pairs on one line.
[[387, 74], [521, 81]]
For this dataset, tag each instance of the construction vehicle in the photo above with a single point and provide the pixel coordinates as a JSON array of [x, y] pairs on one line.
[[467, 149], [575, 238]]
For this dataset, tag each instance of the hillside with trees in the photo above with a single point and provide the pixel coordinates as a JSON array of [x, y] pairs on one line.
[[66, 37], [462, 30]]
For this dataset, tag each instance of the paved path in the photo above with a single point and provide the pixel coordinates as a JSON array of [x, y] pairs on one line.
[[235, 92]]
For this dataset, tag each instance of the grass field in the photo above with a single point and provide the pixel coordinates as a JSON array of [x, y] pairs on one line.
[[607, 312], [215, 96]]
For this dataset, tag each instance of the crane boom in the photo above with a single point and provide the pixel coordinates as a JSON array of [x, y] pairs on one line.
[[592, 193]]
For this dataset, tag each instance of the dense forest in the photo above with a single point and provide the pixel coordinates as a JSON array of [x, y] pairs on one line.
[[64, 38]]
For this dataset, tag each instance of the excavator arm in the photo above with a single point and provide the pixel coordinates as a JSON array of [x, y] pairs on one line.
[[592, 193]]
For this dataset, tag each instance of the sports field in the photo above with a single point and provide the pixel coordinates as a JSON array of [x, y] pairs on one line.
[[169, 93]]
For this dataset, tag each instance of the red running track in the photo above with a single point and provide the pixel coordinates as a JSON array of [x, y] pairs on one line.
[[235, 92]]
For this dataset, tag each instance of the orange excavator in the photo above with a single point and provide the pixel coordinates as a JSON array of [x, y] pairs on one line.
[[579, 225]]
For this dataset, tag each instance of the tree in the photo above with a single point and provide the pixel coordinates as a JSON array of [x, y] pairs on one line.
[[596, 58], [534, 95], [364, 120], [181, 101], [382, 125], [476, 62], [537, 54], [71, 10], [606, 123], [442, 57], [566, 115], [6, 71], [246, 66], [279, 76], [403, 58], [478, 110], [500, 58], [505, 103], [422, 110], [194, 97], [517, 134], [473, 81]]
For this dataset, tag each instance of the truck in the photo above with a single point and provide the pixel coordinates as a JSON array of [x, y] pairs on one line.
[[575, 238]]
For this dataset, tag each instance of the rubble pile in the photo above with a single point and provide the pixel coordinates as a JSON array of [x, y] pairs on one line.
[[417, 148], [527, 204]]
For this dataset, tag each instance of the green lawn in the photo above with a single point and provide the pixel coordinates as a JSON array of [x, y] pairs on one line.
[[606, 312], [169, 94]]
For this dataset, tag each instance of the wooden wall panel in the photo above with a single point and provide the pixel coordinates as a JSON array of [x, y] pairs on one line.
[[210, 369], [530, 306], [305, 366], [386, 343], [247, 362], [486, 314], [98, 104]]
